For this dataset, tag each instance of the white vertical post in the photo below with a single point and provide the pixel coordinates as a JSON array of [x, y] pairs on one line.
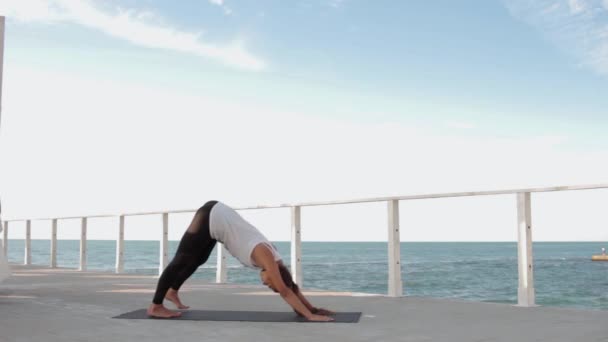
[[5, 239], [296, 244], [28, 243], [120, 245], [83, 245], [2, 20], [395, 287], [164, 244], [54, 244], [221, 275], [525, 291]]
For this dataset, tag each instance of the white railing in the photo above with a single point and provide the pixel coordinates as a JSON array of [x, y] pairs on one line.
[[526, 294]]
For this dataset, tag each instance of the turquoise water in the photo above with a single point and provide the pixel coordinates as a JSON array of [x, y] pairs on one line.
[[564, 273]]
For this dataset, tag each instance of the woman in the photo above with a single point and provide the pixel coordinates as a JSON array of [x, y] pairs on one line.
[[214, 222]]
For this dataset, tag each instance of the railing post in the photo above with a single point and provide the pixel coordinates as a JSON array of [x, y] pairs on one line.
[[28, 243], [395, 287], [5, 239], [296, 245], [54, 244], [221, 274], [164, 244], [2, 22], [525, 291], [120, 245], [83, 244]]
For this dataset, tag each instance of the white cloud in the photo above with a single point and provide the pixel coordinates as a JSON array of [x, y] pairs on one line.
[[552, 8], [336, 3], [32, 10], [138, 27], [460, 125], [578, 27], [221, 3], [107, 161], [576, 6]]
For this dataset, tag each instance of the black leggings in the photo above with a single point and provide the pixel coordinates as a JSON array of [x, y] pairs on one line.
[[194, 250]]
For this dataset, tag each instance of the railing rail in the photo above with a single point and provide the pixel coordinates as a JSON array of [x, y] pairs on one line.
[[339, 202], [526, 292]]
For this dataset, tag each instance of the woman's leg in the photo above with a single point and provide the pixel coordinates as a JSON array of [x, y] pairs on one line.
[[200, 260], [205, 243], [175, 267], [179, 262], [193, 245], [199, 226]]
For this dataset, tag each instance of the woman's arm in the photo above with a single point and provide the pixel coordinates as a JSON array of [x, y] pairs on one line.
[[264, 258], [311, 308]]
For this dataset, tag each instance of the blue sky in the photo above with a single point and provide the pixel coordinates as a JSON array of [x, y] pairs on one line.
[[351, 98], [475, 61]]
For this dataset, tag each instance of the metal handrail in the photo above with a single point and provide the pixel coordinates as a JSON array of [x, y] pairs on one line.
[[526, 291], [339, 202]]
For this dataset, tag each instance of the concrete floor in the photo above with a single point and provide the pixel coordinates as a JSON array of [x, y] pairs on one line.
[[59, 305]]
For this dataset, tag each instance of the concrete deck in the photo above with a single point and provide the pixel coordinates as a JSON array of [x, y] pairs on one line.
[[59, 305]]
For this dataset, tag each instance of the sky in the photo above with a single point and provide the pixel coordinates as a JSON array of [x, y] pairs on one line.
[[124, 106]]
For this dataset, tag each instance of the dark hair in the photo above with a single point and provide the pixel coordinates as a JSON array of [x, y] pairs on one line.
[[287, 278]]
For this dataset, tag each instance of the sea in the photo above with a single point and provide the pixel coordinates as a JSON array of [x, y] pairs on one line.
[[564, 274]]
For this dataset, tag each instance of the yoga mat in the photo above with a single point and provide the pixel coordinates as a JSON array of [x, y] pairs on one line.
[[243, 316]]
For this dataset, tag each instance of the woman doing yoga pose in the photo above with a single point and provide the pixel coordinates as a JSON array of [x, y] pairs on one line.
[[214, 222]]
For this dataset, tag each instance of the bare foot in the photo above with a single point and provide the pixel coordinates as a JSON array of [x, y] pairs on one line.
[[173, 297], [160, 311]]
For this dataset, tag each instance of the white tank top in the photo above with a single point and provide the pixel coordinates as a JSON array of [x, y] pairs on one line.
[[239, 236]]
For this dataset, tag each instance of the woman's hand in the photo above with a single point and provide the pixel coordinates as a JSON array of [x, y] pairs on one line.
[[322, 311], [318, 311], [319, 318]]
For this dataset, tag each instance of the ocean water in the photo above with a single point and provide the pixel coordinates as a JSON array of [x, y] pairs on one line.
[[564, 274]]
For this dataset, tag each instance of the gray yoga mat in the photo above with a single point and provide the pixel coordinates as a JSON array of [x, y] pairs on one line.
[[243, 316]]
